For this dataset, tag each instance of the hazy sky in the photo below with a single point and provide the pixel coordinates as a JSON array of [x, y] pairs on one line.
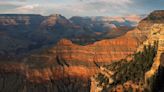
[[81, 7]]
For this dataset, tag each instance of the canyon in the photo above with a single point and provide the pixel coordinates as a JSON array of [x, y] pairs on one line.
[[107, 78], [54, 54]]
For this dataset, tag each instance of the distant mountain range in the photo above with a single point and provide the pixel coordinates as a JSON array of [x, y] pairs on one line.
[[25, 32], [108, 22], [107, 27]]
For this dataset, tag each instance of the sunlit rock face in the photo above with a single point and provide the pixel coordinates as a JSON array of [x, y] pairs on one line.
[[66, 66], [52, 61], [153, 28], [158, 84], [100, 51], [154, 17], [23, 33]]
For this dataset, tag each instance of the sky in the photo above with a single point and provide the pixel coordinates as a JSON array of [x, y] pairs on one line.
[[70, 8]]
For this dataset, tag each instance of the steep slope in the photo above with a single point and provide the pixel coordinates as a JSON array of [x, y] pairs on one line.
[[63, 66], [23, 33], [154, 17], [122, 75], [100, 51]]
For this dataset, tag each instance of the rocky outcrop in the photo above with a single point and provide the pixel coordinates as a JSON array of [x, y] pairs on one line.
[[17, 77], [54, 62], [100, 51], [66, 67], [152, 26], [154, 17], [22, 33], [12, 82]]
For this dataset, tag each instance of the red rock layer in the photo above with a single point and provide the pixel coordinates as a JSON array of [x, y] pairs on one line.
[[101, 51], [74, 60]]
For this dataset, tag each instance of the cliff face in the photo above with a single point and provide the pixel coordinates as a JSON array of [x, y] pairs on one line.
[[154, 17], [22, 33], [116, 74], [100, 51], [64, 66], [20, 78]]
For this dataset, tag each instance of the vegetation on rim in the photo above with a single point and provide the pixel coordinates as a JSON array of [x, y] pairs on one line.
[[133, 70]]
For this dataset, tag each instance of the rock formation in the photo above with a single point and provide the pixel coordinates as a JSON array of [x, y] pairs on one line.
[[65, 66], [47, 59], [154, 35]]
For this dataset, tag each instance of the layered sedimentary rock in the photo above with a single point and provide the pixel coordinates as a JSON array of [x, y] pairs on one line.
[[154, 35], [22, 33], [100, 51], [64, 66], [154, 17], [20, 78]]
